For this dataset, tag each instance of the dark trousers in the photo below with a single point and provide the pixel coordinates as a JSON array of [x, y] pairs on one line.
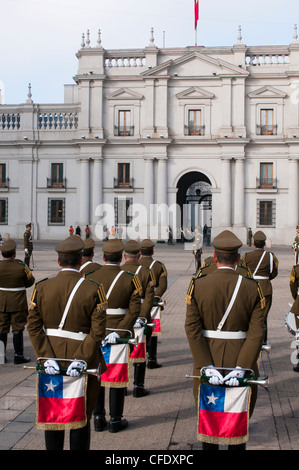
[[79, 439], [116, 403]]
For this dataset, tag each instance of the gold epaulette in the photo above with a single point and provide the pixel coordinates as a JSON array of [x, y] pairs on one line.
[[189, 294], [164, 272], [292, 276], [152, 277], [137, 284], [103, 301], [27, 271], [33, 298]]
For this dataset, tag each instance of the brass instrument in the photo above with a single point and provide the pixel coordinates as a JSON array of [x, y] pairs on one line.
[[251, 380]]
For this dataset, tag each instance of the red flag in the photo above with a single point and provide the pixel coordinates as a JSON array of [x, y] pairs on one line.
[[196, 12]]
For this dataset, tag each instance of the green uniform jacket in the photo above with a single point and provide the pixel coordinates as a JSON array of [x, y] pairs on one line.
[[159, 271], [126, 294], [14, 274]]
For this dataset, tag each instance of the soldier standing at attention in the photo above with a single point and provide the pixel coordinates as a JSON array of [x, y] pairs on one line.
[[264, 267], [28, 245], [88, 265], [160, 273], [146, 276], [78, 338], [15, 277], [219, 337], [124, 303]]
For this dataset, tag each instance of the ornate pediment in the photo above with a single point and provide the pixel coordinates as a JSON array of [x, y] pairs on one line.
[[195, 93], [125, 94], [267, 92]]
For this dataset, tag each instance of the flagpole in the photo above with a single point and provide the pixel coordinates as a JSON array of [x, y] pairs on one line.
[[196, 17]]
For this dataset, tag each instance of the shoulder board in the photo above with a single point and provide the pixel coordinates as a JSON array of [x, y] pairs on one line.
[[129, 272], [190, 291], [137, 284]]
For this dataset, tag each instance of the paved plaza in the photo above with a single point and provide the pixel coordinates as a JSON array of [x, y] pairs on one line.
[[166, 418]]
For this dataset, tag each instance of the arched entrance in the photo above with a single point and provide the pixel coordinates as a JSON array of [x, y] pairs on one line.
[[194, 197]]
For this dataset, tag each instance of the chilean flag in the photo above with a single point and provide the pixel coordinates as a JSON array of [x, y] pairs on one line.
[[196, 12], [138, 353], [61, 401], [156, 319], [223, 416], [117, 361]]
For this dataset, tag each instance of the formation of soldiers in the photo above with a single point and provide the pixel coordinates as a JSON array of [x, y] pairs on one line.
[[228, 302]]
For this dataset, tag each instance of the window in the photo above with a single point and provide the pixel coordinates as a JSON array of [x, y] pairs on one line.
[[57, 180], [266, 176], [267, 127], [3, 179], [266, 212], [124, 123], [123, 179], [4, 211], [194, 122], [121, 206], [56, 211]]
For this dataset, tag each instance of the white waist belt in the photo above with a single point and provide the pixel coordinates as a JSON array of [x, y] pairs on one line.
[[218, 334], [65, 334], [260, 277], [117, 311], [13, 289]]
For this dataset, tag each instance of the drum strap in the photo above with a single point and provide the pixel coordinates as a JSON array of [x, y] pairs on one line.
[[231, 303], [67, 307], [113, 283]]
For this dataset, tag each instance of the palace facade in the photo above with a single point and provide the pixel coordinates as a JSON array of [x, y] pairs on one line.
[[148, 138]]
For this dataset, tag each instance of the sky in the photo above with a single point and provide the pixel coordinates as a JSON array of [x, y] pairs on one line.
[[39, 38]]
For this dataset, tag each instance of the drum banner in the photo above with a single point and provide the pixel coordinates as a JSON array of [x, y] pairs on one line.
[[117, 361], [138, 352], [61, 402], [156, 319], [223, 414]]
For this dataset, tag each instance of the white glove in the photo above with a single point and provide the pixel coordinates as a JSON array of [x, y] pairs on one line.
[[73, 369], [26, 251], [216, 377], [138, 323], [111, 338], [231, 379], [51, 367]]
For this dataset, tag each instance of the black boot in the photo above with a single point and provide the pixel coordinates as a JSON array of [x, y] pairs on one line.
[[100, 422], [3, 338], [80, 438], [117, 400], [152, 354], [19, 349], [139, 375]]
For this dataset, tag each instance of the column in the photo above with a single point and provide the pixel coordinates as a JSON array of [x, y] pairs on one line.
[[149, 188], [97, 197], [226, 193], [239, 203], [162, 199], [84, 192], [293, 194]]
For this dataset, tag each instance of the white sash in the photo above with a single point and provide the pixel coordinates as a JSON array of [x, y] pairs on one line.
[[138, 269], [67, 307], [152, 264], [259, 263], [230, 305], [85, 264], [113, 283]]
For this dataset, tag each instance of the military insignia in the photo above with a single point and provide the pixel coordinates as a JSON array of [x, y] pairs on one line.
[[137, 284], [189, 294]]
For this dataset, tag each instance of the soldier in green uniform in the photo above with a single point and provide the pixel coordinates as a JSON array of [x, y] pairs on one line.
[[232, 342], [124, 303], [264, 267], [160, 273], [147, 279], [88, 263], [28, 245], [76, 333], [15, 277]]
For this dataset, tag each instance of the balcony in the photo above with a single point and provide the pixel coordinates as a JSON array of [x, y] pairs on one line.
[[54, 184], [126, 184], [194, 131], [266, 130], [266, 184], [121, 131]]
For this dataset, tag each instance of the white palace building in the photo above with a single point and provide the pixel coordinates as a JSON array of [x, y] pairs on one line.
[[148, 138]]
